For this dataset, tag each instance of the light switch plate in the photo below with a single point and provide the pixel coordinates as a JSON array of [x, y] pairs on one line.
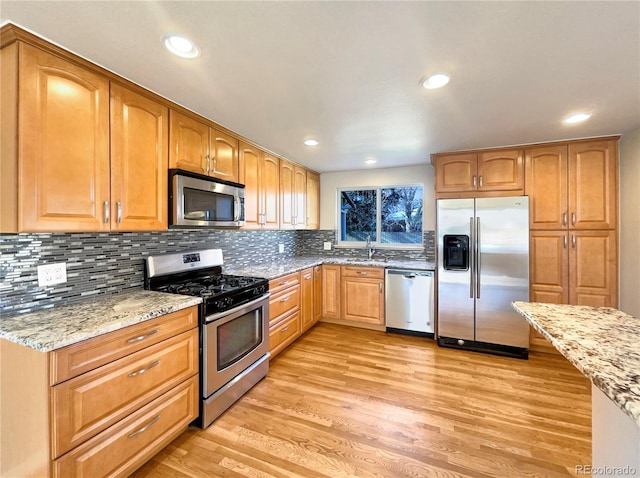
[[50, 274], [327, 245], [281, 248]]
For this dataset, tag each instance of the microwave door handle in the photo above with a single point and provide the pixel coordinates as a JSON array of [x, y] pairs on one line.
[[238, 204]]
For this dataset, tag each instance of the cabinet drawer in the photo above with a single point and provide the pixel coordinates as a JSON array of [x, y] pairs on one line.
[[284, 333], [283, 282], [88, 404], [359, 271], [76, 359], [125, 446], [284, 302]]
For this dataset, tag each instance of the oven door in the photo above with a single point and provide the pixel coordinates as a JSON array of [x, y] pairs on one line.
[[233, 341]]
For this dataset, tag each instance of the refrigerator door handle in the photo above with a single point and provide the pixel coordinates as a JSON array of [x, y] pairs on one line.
[[471, 261], [477, 253]]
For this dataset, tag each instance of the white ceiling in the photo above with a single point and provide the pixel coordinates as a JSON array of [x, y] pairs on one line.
[[347, 73]]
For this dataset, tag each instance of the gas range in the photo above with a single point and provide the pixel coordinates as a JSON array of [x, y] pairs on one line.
[[200, 274], [234, 324]]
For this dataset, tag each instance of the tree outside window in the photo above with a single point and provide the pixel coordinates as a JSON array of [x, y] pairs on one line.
[[389, 215]]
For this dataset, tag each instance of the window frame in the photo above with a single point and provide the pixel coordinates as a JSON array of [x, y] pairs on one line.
[[361, 244]]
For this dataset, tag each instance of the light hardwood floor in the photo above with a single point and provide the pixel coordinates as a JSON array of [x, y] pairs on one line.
[[352, 402]]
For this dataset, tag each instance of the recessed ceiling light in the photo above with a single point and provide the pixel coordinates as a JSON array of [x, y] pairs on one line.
[[180, 45], [370, 161], [311, 142], [435, 81], [577, 118]]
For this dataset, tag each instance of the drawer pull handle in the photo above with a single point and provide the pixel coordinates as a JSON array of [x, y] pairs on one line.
[[285, 329], [143, 370], [307, 277], [284, 283], [285, 299], [363, 273], [144, 428], [142, 337]]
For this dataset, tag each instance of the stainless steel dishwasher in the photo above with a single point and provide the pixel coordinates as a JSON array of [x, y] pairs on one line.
[[409, 301]]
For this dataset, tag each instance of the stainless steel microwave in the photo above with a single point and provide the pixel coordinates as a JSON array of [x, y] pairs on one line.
[[196, 200]]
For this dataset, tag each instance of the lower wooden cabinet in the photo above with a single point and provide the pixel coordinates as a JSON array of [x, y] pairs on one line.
[[362, 298], [284, 312], [104, 406], [284, 333], [572, 267], [87, 404], [330, 291], [120, 449], [353, 295], [294, 307]]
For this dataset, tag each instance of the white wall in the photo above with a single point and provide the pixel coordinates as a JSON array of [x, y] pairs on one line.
[[330, 182], [630, 223]]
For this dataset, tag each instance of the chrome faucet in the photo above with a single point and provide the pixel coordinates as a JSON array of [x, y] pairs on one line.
[[370, 248]]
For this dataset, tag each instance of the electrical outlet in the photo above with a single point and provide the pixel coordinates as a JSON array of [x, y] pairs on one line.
[[50, 274], [281, 248], [327, 245]]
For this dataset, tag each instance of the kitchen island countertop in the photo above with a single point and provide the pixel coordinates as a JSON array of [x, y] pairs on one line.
[[54, 328], [273, 270], [603, 343]]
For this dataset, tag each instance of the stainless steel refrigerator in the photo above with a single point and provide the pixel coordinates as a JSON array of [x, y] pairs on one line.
[[483, 265]]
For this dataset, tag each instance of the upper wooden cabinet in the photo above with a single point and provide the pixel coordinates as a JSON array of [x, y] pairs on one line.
[[300, 197], [57, 170], [189, 147], [313, 200], [139, 161], [56, 176], [260, 173], [572, 186], [287, 195], [195, 146], [593, 167], [484, 171]]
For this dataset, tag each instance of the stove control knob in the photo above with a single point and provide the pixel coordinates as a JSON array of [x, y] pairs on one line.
[[219, 304], [228, 301]]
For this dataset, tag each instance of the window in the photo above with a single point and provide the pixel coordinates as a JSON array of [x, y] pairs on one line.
[[390, 215]]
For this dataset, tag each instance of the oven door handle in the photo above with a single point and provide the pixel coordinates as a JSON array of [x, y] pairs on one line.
[[237, 311]]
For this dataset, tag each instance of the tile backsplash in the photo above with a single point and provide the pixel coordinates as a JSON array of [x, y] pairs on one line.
[[107, 263]]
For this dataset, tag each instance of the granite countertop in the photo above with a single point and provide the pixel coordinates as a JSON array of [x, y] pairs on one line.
[[58, 327], [603, 343], [273, 270]]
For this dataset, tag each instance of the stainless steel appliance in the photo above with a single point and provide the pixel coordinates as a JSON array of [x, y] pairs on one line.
[[483, 265], [196, 200], [409, 301], [234, 324]]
